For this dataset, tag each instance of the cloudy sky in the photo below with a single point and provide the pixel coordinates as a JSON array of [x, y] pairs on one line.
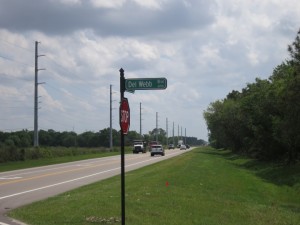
[[205, 49]]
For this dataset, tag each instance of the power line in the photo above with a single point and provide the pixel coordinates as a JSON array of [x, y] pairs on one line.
[[13, 60], [14, 45], [61, 91], [23, 79], [14, 107], [18, 129], [65, 71]]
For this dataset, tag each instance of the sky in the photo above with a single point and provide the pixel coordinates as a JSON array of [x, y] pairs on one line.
[[205, 49]]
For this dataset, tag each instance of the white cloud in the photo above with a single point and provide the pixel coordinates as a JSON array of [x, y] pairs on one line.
[[108, 4], [48, 103], [70, 2], [204, 49], [152, 4], [8, 92]]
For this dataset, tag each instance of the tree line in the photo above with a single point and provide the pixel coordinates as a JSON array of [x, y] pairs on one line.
[[51, 138], [15, 146], [263, 119], [24, 138]]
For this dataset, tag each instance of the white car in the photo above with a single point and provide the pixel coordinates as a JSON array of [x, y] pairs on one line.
[[182, 147], [157, 150]]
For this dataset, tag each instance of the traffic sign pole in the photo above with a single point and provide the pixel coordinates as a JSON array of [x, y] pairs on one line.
[[122, 90], [131, 85]]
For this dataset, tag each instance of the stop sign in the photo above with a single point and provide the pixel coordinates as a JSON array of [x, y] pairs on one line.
[[124, 116]]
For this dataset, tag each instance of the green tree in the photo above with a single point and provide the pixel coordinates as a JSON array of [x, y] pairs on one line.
[[213, 118], [160, 133], [69, 139], [84, 139], [131, 136], [25, 138], [116, 137], [263, 120], [104, 136], [286, 122]]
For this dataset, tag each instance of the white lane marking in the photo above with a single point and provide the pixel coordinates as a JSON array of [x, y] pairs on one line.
[[55, 167], [3, 223], [9, 178], [53, 185], [76, 179], [86, 164]]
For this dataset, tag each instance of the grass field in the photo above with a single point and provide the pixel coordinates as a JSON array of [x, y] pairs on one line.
[[204, 186]]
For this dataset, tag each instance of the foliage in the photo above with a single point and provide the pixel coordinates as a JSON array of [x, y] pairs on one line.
[[158, 134], [263, 120], [10, 154], [15, 146]]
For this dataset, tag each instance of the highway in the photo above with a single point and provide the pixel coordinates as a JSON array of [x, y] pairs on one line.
[[21, 187]]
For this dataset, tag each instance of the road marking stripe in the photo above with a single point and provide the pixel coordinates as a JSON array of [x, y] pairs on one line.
[[53, 185], [76, 179], [59, 172], [57, 166], [51, 174], [9, 178]]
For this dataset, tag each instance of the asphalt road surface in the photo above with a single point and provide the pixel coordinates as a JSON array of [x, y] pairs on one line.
[[21, 187]]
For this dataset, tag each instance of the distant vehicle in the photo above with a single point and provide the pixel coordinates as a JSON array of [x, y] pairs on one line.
[[180, 142], [187, 146], [182, 147], [152, 143], [157, 150], [138, 146], [171, 146]]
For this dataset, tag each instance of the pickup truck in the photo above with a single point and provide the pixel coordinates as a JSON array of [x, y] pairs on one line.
[[138, 146]]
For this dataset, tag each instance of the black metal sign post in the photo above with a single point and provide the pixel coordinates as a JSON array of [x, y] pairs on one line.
[[131, 85], [122, 90]]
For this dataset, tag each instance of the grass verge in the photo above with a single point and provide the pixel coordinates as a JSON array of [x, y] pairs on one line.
[[204, 186]]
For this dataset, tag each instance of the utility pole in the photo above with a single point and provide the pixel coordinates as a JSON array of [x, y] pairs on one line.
[[110, 120], [141, 119], [156, 133], [178, 134], [167, 135], [173, 134], [36, 70], [185, 136], [36, 137], [181, 133]]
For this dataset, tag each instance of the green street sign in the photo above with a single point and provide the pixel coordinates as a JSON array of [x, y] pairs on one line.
[[145, 84]]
